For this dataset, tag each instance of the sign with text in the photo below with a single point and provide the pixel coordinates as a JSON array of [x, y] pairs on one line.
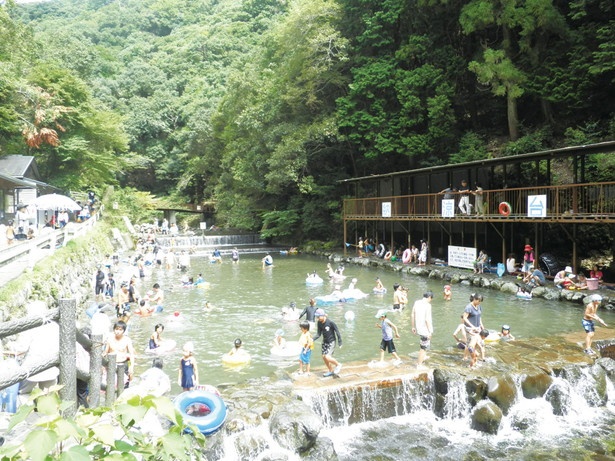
[[461, 256], [536, 206], [448, 208], [386, 209], [203, 225]]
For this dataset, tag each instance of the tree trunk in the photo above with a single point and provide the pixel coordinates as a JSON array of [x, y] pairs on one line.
[[513, 119]]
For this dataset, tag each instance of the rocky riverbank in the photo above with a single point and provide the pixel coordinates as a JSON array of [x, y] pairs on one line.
[[453, 275]]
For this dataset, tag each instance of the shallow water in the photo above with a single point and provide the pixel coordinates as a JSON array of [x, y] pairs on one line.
[[248, 300]]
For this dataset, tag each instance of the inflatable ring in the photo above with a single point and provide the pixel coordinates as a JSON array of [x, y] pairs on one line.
[[202, 401], [405, 257], [505, 209], [239, 359], [388, 255]]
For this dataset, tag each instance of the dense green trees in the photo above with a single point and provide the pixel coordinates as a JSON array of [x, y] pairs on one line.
[[262, 105]]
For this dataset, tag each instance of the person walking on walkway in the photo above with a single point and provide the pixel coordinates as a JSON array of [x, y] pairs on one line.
[[329, 332]]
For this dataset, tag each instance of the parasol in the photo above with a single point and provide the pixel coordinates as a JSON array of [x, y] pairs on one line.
[[55, 202]]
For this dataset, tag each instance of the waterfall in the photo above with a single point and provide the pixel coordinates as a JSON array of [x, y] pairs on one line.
[[224, 243], [456, 404]]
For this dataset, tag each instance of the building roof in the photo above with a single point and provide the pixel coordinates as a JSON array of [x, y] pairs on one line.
[[18, 166]]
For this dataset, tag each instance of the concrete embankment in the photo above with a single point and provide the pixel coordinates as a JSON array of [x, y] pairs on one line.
[[453, 275]]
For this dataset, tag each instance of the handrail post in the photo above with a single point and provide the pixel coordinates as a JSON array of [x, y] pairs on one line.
[[111, 378], [68, 353], [95, 370]]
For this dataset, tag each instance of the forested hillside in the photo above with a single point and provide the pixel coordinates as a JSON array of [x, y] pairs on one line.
[[262, 105]]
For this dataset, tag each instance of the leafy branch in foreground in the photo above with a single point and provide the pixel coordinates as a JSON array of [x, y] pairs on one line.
[[129, 430]]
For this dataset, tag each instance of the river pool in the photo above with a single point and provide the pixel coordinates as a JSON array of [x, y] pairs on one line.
[[247, 303]]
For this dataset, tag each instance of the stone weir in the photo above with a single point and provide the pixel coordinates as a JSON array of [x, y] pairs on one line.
[[506, 284], [540, 368]]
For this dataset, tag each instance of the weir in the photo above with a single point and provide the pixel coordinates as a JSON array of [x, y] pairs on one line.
[[247, 243], [376, 391]]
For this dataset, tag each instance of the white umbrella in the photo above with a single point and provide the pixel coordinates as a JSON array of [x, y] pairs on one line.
[[55, 202]]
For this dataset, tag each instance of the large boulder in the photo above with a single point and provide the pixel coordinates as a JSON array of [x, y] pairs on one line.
[[558, 396], [535, 385], [476, 390], [486, 417], [502, 391], [509, 287], [295, 426]]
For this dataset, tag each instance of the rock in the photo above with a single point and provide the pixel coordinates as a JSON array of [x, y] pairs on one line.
[[442, 377], [552, 294], [534, 386], [476, 390], [486, 417], [608, 364], [323, 450], [295, 426], [502, 391], [558, 396], [509, 287], [598, 373], [249, 445]]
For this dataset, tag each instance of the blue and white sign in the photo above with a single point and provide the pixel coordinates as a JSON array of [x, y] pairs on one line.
[[537, 206], [448, 208], [386, 209]]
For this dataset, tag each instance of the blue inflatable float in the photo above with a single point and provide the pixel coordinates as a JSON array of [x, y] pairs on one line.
[[203, 409]]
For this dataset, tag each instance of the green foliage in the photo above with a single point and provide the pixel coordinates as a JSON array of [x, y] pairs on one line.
[[99, 433], [471, 147], [532, 142], [279, 223]]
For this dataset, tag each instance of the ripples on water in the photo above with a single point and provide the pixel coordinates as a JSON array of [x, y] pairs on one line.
[[247, 303]]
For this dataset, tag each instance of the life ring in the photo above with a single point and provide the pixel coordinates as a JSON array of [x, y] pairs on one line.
[[237, 359], [388, 255], [504, 208], [201, 402], [405, 257]]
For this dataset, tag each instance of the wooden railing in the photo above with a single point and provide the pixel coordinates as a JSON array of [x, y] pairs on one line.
[[585, 203], [64, 357]]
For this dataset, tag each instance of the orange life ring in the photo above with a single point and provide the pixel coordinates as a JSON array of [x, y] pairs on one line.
[[504, 209], [388, 255], [405, 257]]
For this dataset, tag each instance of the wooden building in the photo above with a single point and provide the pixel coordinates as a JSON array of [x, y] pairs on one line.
[[525, 199]]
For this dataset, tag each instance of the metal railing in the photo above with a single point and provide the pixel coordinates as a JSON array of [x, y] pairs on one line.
[[593, 202]]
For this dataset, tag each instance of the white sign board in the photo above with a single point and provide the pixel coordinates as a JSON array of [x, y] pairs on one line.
[[536, 206], [448, 208], [386, 209], [203, 225], [461, 256]]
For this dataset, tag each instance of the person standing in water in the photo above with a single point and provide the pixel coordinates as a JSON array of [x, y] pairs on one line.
[[188, 377], [589, 318], [422, 324]]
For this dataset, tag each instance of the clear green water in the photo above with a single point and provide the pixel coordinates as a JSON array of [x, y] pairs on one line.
[[248, 300]]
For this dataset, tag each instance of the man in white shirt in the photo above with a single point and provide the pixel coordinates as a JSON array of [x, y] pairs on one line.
[[422, 324]]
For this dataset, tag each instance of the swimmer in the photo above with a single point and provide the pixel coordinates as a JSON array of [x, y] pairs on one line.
[[448, 293], [278, 339], [505, 334], [237, 347], [267, 261]]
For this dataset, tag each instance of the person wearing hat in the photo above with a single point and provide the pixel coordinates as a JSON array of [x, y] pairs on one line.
[[388, 328], [528, 258], [564, 278], [589, 317], [422, 324], [329, 332]]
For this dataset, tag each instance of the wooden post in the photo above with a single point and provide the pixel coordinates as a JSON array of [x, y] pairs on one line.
[[68, 353], [121, 377], [95, 370], [111, 377]]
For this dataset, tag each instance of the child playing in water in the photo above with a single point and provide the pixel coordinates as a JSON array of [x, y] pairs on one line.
[[156, 339], [307, 344], [387, 344], [236, 348], [188, 377], [121, 346], [448, 293], [505, 334], [278, 339], [476, 343]]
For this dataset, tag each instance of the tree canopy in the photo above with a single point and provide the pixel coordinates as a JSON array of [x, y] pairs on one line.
[[261, 106]]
